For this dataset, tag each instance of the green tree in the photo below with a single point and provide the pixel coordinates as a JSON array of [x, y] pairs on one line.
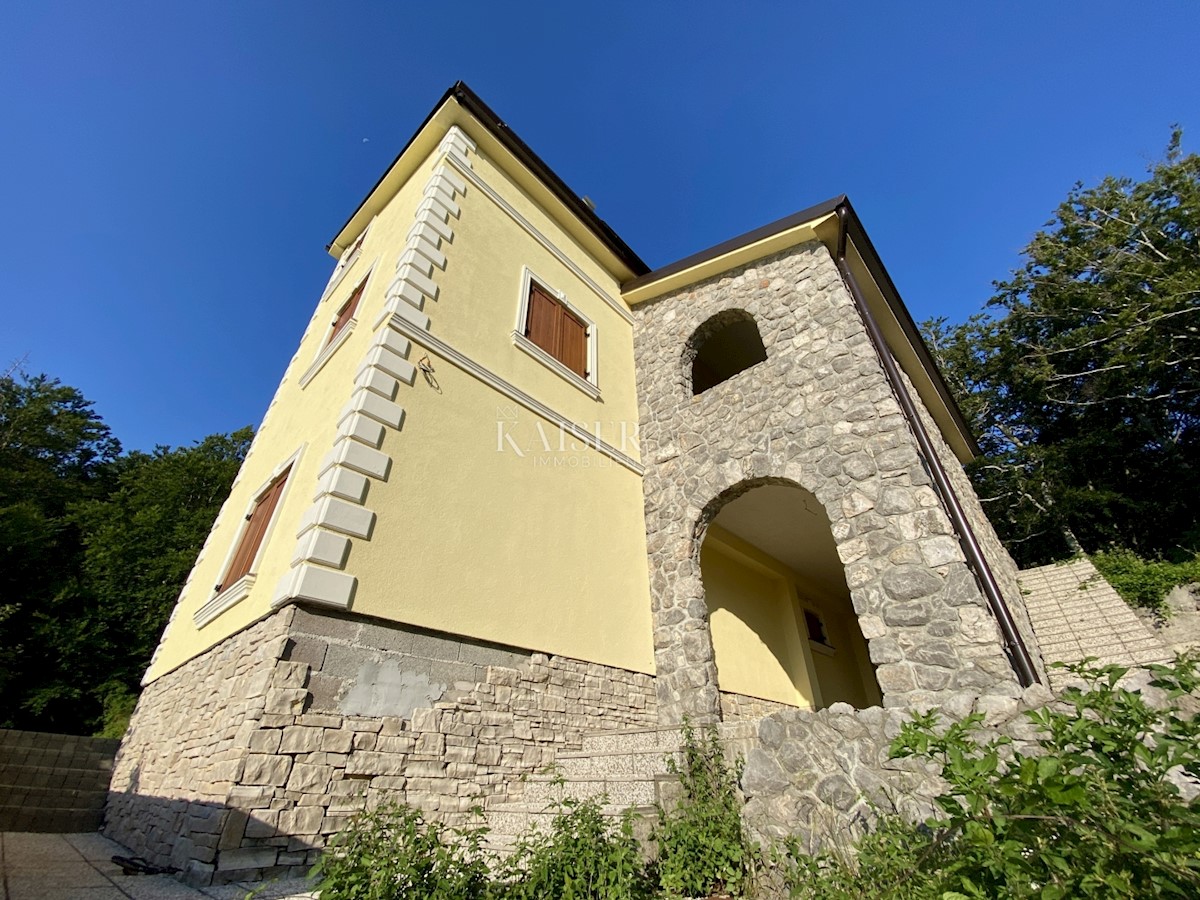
[[139, 543], [94, 548], [54, 449], [1083, 382]]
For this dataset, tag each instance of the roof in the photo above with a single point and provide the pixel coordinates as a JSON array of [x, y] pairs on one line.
[[471, 102], [819, 222]]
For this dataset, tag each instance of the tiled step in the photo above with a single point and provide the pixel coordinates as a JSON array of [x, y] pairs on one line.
[[47, 776], [73, 798], [13, 739], [515, 819], [62, 820], [607, 764], [620, 791]]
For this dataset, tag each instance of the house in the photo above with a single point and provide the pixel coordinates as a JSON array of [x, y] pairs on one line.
[[515, 489]]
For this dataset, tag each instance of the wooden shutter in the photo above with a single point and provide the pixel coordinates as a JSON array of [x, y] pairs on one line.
[[557, 330], [346, 313], [252, 534], [542, 324], [574, 343]]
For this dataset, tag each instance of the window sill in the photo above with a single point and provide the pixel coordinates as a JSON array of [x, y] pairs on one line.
[[323, 357], [231, 596], [823, 649], [554, 365]]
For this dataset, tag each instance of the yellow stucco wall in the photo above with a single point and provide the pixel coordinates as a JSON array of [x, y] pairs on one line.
[[756, 640], [540, 550], [760, 641]]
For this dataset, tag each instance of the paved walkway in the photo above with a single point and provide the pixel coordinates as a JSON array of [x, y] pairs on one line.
[[80, 867], [1076, 614]]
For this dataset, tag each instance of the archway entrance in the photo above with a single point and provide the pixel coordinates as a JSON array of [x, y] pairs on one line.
[[783, 628]]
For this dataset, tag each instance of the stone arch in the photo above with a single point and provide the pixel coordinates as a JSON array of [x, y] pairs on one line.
[[723, 345], [780, 615]]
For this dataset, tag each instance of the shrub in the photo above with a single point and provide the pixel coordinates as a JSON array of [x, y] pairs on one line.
[[392, 853], [1142, 582], [583, 856], [1092, 811], [702, 846]]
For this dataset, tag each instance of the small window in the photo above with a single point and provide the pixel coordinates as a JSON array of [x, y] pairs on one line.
[[252, 534], [557, 330], [346, 313], [816, 628]]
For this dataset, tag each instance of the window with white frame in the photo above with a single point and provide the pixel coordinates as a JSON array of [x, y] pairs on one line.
[[557, 333], [241, 565], [347, 260], [340, 325]]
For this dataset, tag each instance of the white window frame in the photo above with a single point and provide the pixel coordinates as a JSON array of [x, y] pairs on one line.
[[349, 258], [328, 347], [232, 594], [589, 385]]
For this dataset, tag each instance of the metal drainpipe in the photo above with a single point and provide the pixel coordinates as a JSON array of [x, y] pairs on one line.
[[1019, 653]]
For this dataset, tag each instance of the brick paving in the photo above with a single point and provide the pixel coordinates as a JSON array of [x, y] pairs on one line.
[[1077, 614]]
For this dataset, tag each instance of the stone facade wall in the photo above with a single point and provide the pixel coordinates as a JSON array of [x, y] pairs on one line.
[[244, 761], [185, 750], [1003, 567], [739, 706], [818, 413]]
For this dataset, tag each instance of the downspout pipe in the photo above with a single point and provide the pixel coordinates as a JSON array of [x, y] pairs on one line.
[[1018, 653]]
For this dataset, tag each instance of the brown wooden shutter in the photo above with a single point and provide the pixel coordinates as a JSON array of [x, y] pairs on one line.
[[346, 313], [542, 324], [574, 343], [252, 534]]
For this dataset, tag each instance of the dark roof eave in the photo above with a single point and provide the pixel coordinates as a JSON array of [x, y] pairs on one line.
[[471, 101], [879, 272], [871, 260], [736, 243]]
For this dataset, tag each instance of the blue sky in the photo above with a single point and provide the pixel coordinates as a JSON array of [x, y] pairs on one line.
[[171, 172]]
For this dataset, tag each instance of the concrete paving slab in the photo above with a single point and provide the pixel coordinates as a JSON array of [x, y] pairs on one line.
[[80, 867]]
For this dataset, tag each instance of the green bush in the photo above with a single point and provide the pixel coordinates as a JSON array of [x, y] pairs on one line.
[[1091, 811], [583, 856], [119, 703], [1143, 582], [392, 853], [702, 846]]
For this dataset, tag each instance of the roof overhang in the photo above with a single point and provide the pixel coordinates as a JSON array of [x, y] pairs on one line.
[[462, 107], [821, 223]]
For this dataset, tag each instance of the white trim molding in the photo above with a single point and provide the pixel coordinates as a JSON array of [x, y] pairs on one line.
[[338, 515], [231, 596], [486, 189], [329, 347], [349, 258], [514, 393]]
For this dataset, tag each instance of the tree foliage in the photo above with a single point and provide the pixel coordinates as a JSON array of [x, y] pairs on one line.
[[1083, 379], [94, 548]]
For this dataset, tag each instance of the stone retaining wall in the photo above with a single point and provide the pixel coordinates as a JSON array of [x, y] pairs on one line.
[[825, 776]]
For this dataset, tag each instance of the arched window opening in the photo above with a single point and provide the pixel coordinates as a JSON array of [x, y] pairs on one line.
[[726, 344]]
